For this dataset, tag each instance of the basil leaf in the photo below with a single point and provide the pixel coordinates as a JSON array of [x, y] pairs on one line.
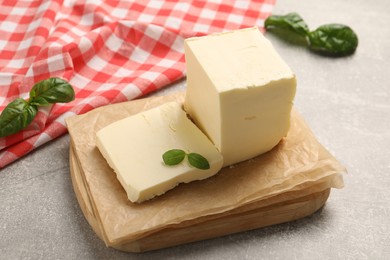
[[49, 91], [17, 115], [198, 161], [329, 39], [173, 157], [292, 22], [333, 39]]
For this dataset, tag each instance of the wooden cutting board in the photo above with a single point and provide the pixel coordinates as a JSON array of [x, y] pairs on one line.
[[239, 220], [114, 219]]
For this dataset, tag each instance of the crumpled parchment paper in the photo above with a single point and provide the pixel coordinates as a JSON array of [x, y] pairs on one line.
[[298, 166]]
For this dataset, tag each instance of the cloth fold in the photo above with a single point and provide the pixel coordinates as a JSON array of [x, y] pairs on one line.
[[110, 52]]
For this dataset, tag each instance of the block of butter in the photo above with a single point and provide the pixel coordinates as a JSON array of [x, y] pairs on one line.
[[239, 92], [134, 146]]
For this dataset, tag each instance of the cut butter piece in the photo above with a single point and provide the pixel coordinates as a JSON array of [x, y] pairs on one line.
[[239, 92], [134, 146]]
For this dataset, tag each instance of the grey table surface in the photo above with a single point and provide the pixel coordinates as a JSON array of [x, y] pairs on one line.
[[344, 100]]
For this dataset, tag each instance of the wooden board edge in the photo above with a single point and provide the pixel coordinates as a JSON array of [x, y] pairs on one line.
[[82, 194], [255, 219], [243, 221]]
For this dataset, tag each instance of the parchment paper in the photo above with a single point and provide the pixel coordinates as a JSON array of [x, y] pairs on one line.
[[298, 166]]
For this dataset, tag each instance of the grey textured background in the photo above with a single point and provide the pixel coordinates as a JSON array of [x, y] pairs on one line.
[[346, 103]]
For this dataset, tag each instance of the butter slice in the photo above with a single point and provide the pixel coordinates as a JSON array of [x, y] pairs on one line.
[[134, 146], [239, 92]]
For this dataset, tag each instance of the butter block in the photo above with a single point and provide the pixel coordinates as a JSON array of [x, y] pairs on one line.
[[239, 92], [134, 146]]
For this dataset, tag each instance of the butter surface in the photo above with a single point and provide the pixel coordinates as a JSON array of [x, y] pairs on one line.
[[239, 92], [133, 147]]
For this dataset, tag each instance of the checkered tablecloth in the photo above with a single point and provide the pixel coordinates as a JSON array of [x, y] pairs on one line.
[[110, 51]]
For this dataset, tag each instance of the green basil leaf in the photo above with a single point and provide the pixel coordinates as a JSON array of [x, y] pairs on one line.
[[52, 90], [173, 157], [198, 161], [292, 22], [17, 115], [333, 40]]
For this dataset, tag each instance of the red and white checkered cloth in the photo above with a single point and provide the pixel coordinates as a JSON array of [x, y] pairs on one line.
[[110, 51]]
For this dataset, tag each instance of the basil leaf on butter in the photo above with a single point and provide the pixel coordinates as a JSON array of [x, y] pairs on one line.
[[198, 161], [333, 39], [17, 115], [176, 156], [292, 22], [173, 157], [52, 90]]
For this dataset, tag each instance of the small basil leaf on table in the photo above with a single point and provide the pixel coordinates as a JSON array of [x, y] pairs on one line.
[[52, 90], [173, 157], [292, 22], [333, 39], [17, 115], [198, 161]]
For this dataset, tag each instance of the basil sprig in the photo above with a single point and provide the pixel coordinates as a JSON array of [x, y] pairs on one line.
[[18, 114], [329, 39], [176, 156]]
